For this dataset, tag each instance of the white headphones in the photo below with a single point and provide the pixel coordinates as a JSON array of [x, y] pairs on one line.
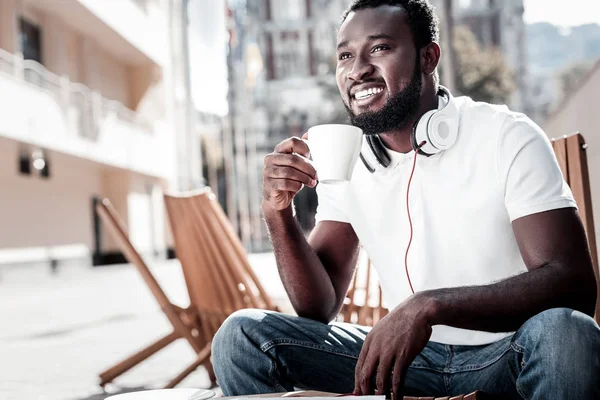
[[437, 129]]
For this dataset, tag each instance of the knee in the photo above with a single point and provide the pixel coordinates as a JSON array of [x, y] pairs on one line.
[[555, 324], [234, 335], [559, 334]]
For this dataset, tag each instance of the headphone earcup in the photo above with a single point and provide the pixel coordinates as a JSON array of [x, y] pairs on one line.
[[420, 134], [442, 131], [437, 128]]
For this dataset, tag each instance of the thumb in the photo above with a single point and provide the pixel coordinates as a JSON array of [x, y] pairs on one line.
[[305, 136]]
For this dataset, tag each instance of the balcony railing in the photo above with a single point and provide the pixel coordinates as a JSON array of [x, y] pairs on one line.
[[92, 108]]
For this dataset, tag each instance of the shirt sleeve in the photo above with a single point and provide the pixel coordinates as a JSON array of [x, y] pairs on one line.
[[330, 203], [528, 170]]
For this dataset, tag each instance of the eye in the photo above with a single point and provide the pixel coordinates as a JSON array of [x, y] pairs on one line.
[[344, 56], [380, 47]]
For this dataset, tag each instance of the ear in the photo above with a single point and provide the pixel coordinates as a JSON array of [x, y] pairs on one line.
[[430, 58]]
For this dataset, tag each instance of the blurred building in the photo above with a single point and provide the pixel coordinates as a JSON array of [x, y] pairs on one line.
[[93, 97], [297, 40], [282, 67], [500, 24], [578, 113]]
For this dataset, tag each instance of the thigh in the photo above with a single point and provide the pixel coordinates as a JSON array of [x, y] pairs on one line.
[[310, 354], [425, 376], [323, 357], [489, 368]]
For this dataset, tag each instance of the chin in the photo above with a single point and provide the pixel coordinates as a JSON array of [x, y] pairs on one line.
[[358, 111]]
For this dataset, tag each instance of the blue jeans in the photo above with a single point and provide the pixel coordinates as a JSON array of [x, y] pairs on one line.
[[554, 355]]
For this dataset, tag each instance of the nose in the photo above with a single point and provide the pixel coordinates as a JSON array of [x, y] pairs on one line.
[[360, 70]]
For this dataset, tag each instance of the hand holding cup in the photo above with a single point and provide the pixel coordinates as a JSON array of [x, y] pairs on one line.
[[285, 172]]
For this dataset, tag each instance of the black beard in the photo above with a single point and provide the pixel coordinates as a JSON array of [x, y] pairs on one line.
[[398, 111]]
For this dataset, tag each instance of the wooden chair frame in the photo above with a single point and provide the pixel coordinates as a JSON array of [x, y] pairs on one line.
[[219, 278], [185, 322], [571, 154]]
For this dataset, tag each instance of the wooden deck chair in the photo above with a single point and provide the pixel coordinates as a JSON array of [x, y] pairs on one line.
[[184, 321], [218, 275], [571, 154], [363, 303]]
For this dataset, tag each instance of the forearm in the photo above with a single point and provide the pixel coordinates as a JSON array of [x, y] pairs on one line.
[[506, 305], [306, 281]]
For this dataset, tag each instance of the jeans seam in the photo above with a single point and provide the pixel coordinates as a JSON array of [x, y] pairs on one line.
[[447, 376], [518, 349], [449, 359], [290, 342], [273, 378], [458, 370]]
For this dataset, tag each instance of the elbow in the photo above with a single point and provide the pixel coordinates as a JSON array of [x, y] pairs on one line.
[[586, 293], [317, 312], [315, 315], [591, 297]]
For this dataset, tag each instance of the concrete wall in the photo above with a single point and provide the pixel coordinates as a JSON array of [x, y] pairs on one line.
[[54, 216], [66, 51], [580, 113], [105, 73], [144, 30], [8, 25], [48, 213]]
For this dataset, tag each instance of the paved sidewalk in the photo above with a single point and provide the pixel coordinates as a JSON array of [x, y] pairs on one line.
[[59, 331]]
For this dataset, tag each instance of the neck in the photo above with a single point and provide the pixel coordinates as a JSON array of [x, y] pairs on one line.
[[399, 140]]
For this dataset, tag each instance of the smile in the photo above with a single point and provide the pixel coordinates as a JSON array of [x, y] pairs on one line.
[[365, 94]]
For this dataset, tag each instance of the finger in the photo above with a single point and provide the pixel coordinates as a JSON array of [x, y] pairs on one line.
[[285, 185], [305, 136], [293, 145], [294, 161], [398, 380], [359, 365], [369, 370], [289, 173], [384, 372]]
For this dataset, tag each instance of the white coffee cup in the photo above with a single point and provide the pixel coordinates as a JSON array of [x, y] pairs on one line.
[[334, 149]]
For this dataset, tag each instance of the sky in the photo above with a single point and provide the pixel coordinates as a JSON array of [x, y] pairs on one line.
[[562, 13]]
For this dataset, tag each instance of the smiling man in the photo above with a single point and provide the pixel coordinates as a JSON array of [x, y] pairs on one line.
[[497, 291]]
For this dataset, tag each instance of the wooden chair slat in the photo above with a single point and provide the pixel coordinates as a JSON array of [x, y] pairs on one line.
[[242, 256], [221, 272], [242, 287], [560, 150], [579, 179]]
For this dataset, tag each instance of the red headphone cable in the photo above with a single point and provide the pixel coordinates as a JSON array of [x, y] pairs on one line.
[[409, 218]]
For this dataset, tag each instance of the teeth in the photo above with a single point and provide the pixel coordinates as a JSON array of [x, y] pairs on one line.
[[367, 93]]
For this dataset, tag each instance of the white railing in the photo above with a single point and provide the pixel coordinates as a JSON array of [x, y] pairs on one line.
[[91, 107]]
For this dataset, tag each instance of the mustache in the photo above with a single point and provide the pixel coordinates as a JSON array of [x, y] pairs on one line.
[[368, 80]]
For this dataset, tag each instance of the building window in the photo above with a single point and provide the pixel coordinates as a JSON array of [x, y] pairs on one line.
[[271, 73], [24, 163], [291, 55], [31, 41]]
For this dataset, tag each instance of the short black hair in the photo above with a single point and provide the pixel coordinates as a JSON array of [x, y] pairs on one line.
[[421, 17]]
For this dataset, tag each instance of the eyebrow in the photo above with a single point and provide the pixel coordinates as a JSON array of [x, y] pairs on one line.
[[370, 38]]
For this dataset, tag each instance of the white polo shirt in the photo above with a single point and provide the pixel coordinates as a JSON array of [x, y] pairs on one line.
[[462, 203]]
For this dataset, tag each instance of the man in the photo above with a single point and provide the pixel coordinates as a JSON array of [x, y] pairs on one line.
[[503, 279]]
